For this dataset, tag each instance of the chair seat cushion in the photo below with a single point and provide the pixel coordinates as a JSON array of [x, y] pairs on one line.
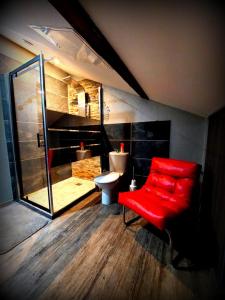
[[150, 207]]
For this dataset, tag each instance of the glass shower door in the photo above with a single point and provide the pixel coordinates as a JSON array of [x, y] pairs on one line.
[[30, 135]]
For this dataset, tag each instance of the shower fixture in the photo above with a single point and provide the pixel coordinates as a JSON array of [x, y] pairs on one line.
[[44, 32], [81, 50]]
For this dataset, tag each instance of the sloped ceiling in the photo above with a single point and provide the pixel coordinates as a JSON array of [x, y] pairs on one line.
[[73, 56], [175, 51]]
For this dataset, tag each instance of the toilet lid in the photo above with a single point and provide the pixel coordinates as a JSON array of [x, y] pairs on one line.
[[107, 178]]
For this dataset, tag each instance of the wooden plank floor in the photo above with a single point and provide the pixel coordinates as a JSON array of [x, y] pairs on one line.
[[88, 254]]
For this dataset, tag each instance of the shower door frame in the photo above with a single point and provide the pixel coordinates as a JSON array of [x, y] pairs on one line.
[[40, 60]]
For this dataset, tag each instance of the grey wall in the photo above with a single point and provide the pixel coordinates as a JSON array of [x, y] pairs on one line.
[[188, 131], [5, 178]]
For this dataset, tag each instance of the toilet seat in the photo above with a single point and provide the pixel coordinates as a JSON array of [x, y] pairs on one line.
[[107, 177]]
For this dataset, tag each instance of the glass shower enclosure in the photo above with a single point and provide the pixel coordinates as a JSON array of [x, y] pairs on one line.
[[36, 130]]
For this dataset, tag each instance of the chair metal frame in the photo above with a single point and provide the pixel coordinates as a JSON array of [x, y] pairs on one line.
[[168, 232]]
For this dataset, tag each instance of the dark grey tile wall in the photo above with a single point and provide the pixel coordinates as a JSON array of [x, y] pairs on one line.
[[143, 140], [4, 87]]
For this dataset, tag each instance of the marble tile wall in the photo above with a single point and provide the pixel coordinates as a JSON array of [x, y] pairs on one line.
[[56, 94], [61, 172], [90, 87], [86, 168]]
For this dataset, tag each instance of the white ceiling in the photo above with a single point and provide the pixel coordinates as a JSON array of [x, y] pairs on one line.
[[73, 56], [174, 51]]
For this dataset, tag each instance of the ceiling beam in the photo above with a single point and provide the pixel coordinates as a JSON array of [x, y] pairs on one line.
[[78, 18]]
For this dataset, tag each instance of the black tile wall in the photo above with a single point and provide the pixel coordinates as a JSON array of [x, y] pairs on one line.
[[8, 133], [141, 166], [143, 140], [64, 120], [91, 140], [158, 130], [140, 180], [12, 167], [149, 149], [68, 155], [10, 151], [5, 108], [118, 131], [64, 139]]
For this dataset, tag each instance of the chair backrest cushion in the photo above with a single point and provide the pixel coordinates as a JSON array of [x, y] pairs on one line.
[[163, 181], [171, 178], [174, 167]]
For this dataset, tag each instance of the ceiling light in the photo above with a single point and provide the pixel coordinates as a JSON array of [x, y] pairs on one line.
[[56, 61]]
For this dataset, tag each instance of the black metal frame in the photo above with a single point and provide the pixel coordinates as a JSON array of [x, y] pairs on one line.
[[35, 207], [168, 232], [45, 131], [127, 223], [12, 75], [100, 99], [37, 59]]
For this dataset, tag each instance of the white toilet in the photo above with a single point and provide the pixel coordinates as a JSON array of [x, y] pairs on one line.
[[108, 181]]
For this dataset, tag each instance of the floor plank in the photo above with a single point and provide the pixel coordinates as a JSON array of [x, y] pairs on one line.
[[88, 254]]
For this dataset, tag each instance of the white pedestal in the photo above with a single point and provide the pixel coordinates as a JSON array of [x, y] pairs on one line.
[[106, 197]]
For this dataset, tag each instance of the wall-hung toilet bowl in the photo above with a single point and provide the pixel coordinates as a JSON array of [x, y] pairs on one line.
[[108, 181]]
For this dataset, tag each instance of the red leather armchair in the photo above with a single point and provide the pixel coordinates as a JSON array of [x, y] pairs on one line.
[[166, 193]]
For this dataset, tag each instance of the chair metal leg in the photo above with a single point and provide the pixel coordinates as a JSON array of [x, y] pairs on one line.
[[170, 245], [127, 223]]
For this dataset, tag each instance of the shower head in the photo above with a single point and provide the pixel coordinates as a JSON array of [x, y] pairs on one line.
[[44, 32]]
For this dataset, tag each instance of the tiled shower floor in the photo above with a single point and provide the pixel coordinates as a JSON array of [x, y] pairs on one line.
[[64, 192]]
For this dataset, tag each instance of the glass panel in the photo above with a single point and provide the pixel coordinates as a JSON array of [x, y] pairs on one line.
[[74, 136], [29, 122]]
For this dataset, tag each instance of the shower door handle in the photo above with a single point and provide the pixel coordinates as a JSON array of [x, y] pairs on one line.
[[39, 143]]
